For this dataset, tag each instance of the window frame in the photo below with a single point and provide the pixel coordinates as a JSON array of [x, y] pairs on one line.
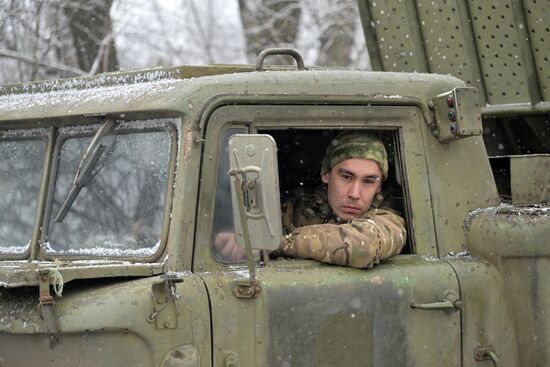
[[405, 120], [123, 127], [30, 134]]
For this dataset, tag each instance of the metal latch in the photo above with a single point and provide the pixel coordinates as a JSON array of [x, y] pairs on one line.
[[450, 302], [245, 288], [46, 303], [164, 301]]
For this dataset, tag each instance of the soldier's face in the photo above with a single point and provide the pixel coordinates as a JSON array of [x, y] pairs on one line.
[[352, 185]]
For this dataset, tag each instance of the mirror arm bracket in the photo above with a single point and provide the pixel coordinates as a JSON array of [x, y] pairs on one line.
[[252, 289]]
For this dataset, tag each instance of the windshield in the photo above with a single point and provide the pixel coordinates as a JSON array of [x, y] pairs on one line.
[[20, 173], [119, 209]]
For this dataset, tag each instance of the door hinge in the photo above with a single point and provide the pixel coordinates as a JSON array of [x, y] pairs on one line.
[[164, 301], [46, 304]]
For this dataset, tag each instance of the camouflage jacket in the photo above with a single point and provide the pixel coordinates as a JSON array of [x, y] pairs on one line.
[[315, 233]]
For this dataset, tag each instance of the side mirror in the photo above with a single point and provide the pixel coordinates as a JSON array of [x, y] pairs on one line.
[[255, 190]]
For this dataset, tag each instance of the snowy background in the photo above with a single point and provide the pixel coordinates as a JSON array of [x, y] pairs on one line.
[[46, 39]]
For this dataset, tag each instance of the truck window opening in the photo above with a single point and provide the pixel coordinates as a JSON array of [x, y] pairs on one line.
[[300, 153]]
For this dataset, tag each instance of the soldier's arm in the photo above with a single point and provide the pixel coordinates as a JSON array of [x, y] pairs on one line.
[[361, 243]]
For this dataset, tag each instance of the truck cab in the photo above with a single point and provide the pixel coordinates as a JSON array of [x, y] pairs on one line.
[[114, 188]]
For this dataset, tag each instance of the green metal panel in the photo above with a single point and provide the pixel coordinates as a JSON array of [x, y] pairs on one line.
[[126, 77], [448, 40], [537, 13], [498, 46], [159, 98], [312, 314], [105, 324], [486, 317], [398, 38], [459, 183], [501, 45], [530, 179], [515, 241], [108, 348]]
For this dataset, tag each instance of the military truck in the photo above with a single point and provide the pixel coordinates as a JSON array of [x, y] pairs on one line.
[[114, 187]]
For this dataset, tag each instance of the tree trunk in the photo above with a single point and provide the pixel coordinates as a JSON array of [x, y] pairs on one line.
[[91, 29], [337, 33], [269, 23]]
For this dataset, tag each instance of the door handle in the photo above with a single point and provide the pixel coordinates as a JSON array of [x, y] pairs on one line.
[[487, 352], [450, 302]]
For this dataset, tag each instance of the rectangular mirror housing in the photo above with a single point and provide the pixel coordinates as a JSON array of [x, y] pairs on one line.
[[253, 165]]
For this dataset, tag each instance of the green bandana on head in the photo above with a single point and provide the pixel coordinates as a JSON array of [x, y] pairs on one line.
[[355, 144]]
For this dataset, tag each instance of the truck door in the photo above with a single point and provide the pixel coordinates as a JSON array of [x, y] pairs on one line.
[[403, 312]]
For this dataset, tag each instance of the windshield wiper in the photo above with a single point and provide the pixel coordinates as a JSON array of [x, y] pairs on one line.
[[87, 163]]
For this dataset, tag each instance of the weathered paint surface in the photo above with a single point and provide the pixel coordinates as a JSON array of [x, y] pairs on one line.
[[22, 273], [530, 179], [496, 46], [306, 313], [314, 314], [103, 323], [515, 241]]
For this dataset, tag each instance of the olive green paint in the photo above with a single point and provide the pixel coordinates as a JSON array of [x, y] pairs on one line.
[[499, 47], [306, 313]]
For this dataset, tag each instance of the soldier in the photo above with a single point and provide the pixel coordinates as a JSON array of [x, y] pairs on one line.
[[334, 225]]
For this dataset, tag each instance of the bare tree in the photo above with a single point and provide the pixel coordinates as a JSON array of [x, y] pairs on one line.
[[326, 31], [25, 28], [177, 32], [91, 30], [45, 39], [269, 23], [336, 21], [57, 38]]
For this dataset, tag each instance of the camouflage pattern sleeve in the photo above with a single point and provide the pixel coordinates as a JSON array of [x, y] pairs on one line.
[[361, 243]]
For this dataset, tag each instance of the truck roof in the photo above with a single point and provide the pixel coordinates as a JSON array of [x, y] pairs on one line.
[[177, 90]]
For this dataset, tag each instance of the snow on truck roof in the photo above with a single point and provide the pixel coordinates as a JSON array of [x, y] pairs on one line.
[[179, 89]]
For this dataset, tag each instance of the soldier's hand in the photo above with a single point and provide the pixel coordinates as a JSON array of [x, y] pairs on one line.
[[227, 247]]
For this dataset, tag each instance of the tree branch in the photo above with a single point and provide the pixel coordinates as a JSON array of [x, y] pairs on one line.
[[32, 60]]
